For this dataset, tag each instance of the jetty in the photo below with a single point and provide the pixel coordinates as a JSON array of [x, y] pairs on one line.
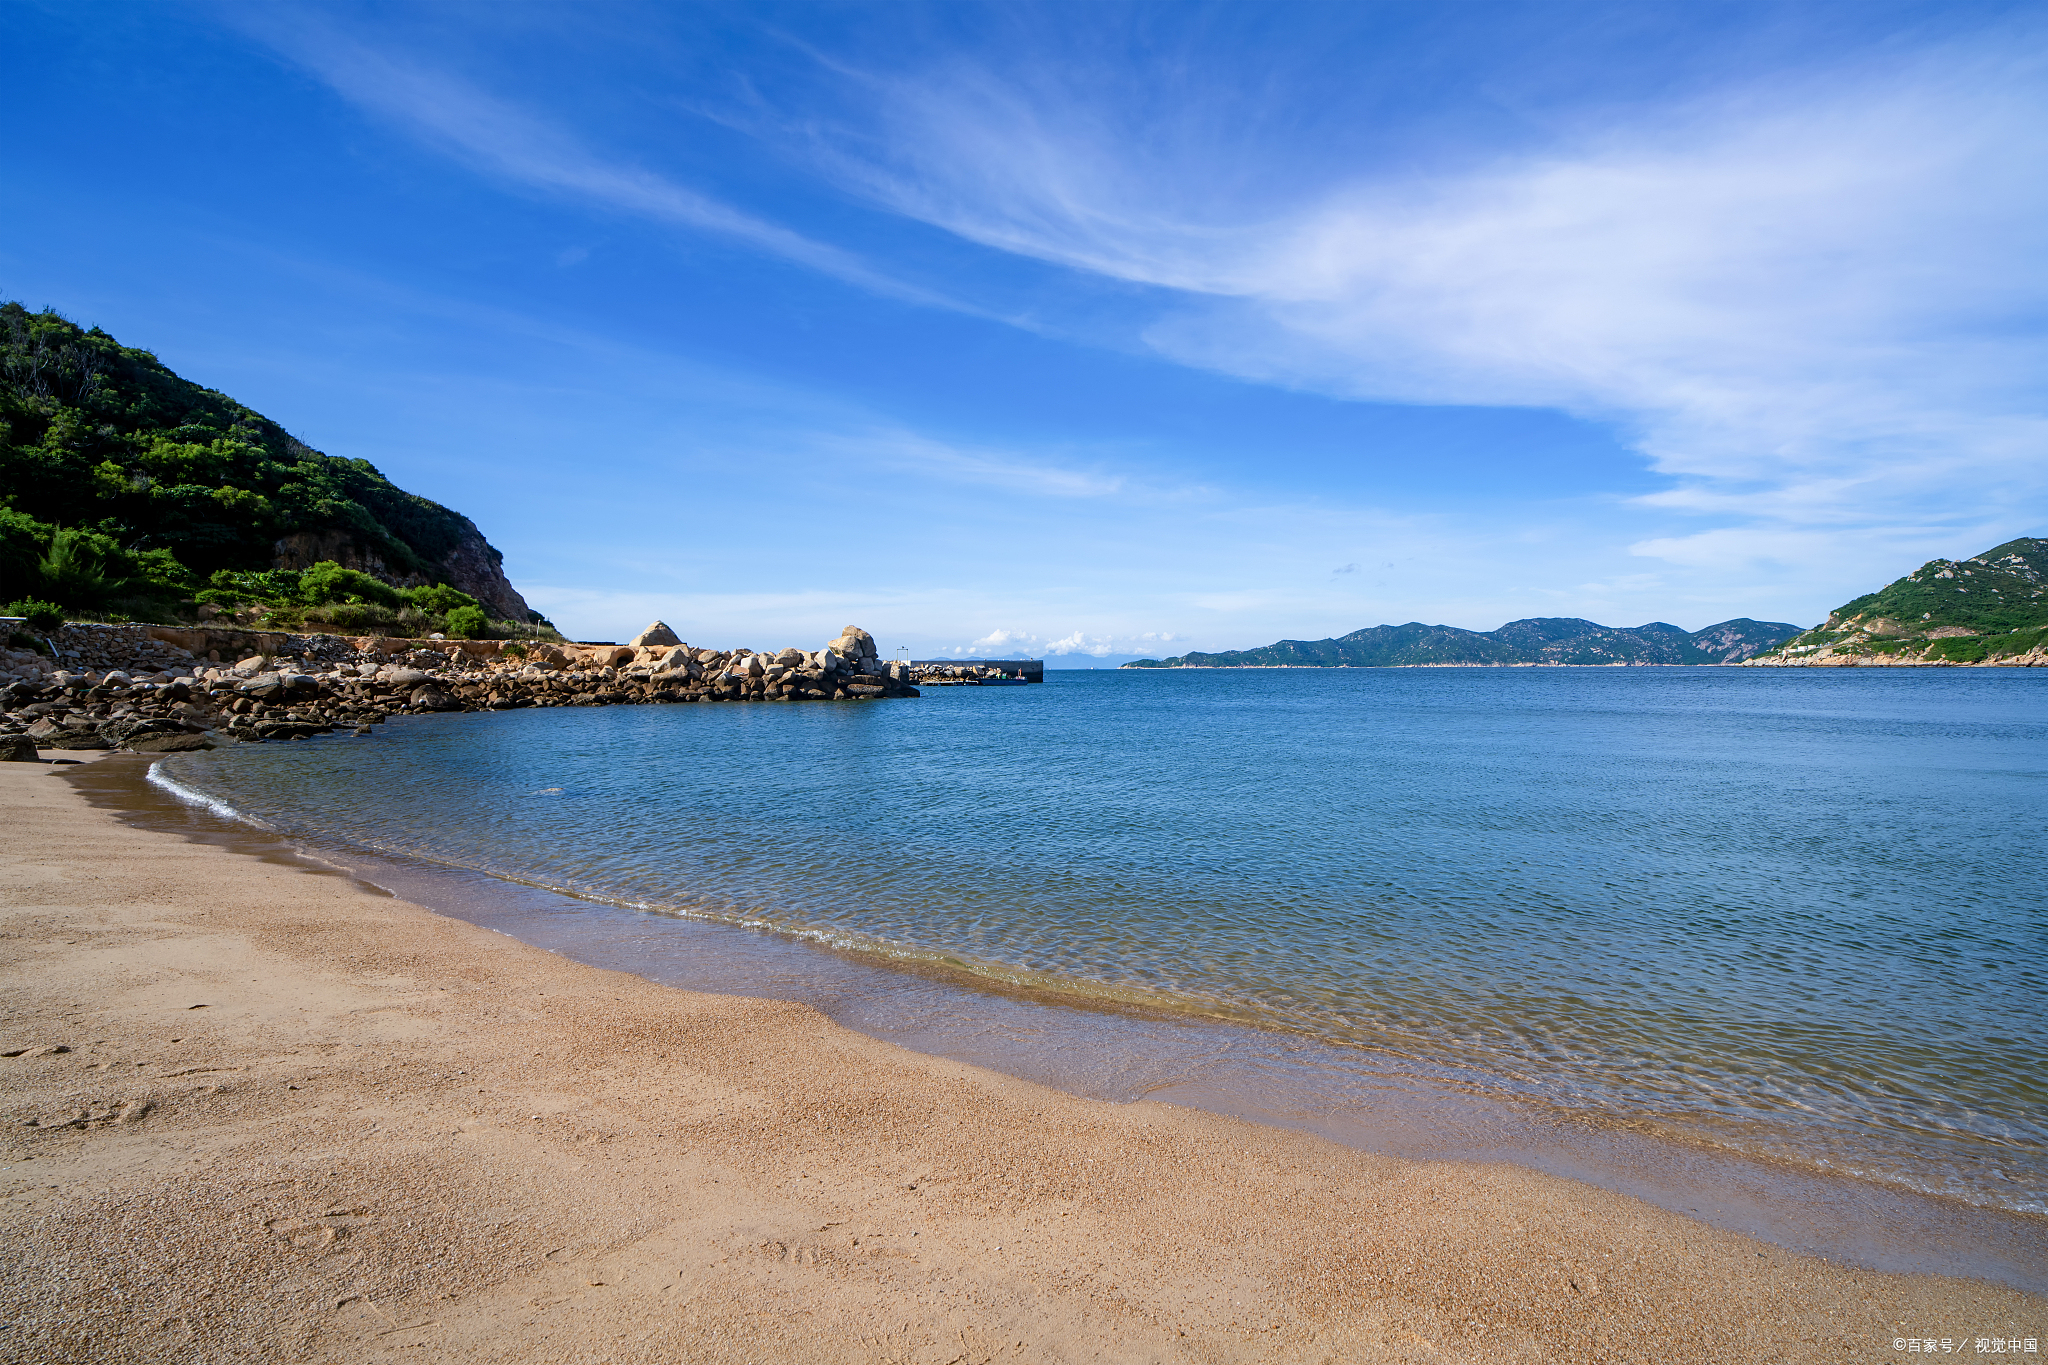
[[150, 689], [967, 672]]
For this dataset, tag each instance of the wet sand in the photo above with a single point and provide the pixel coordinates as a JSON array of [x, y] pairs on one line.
[[300, 1120]]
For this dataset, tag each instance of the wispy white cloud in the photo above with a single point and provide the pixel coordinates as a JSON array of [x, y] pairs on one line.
[[988, 467], [503, 139], [1816, 307]]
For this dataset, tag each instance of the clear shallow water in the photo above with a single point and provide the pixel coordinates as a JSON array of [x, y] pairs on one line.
[[1793, 915]]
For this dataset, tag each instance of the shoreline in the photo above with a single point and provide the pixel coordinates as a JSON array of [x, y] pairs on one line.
[[305, 1119], [1096, 1045]]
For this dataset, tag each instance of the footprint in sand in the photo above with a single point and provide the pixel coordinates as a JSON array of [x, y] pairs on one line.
[[791, 1253], [319, 1233], [95, 1116], [47, 1050]]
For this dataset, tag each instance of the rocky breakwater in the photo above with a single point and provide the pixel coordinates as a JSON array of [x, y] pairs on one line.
[[286, 698]]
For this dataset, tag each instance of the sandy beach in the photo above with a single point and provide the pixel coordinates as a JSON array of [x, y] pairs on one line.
[[257, 1111]]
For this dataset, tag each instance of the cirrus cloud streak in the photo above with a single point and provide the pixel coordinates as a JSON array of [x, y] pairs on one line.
[[1815, 307]]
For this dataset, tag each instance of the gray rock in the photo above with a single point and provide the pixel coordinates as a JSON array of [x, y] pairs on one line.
[[45, 729], [169, 744], [656, 636], [129, 729], [406, 677], [17, 749], [434, 699]]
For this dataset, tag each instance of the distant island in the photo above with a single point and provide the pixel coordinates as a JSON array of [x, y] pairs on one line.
[[1989, 609], [1535, 642]]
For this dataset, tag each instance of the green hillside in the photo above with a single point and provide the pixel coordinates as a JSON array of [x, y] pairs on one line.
[[1537, 640], [1991, 606], [127, 491]]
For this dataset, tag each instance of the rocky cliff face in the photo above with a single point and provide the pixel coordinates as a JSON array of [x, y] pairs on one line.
[[1989, 609], [472, 566]]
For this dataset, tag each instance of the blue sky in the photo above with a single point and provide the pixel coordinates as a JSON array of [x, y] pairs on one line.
[[1090, 330]]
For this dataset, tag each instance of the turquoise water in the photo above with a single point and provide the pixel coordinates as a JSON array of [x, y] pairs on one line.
[[1791, 914]]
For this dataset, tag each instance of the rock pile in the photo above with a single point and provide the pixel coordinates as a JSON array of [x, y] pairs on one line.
[[285, 697], [941, 674]]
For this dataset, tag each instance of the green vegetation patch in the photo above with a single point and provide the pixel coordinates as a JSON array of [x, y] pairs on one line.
[[127, 492], [2001, 596], [1971, 649], [329, 596]]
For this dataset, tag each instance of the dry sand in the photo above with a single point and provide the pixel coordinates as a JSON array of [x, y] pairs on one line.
[[267, 1114]]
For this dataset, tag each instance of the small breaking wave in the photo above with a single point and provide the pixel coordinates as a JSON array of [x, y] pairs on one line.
[[163, 781]]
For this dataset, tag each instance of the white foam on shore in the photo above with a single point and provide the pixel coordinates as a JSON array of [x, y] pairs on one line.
[[159, 778]]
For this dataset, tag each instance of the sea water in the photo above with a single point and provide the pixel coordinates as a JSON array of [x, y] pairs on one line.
[[1793, 914]]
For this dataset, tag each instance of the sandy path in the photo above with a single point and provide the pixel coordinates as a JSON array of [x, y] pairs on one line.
[[301, 1121]]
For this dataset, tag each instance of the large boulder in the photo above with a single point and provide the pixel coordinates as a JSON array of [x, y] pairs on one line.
[[127, 730], [855, 643], [17, 749], [264, 687], [169, 744], [432, 698], [656, 635]]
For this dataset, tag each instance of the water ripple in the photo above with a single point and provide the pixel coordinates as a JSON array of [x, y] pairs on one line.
[[1797, 915]]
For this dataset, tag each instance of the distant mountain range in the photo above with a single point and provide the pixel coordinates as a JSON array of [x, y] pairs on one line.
[[1539, 640], [1990, 609]]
